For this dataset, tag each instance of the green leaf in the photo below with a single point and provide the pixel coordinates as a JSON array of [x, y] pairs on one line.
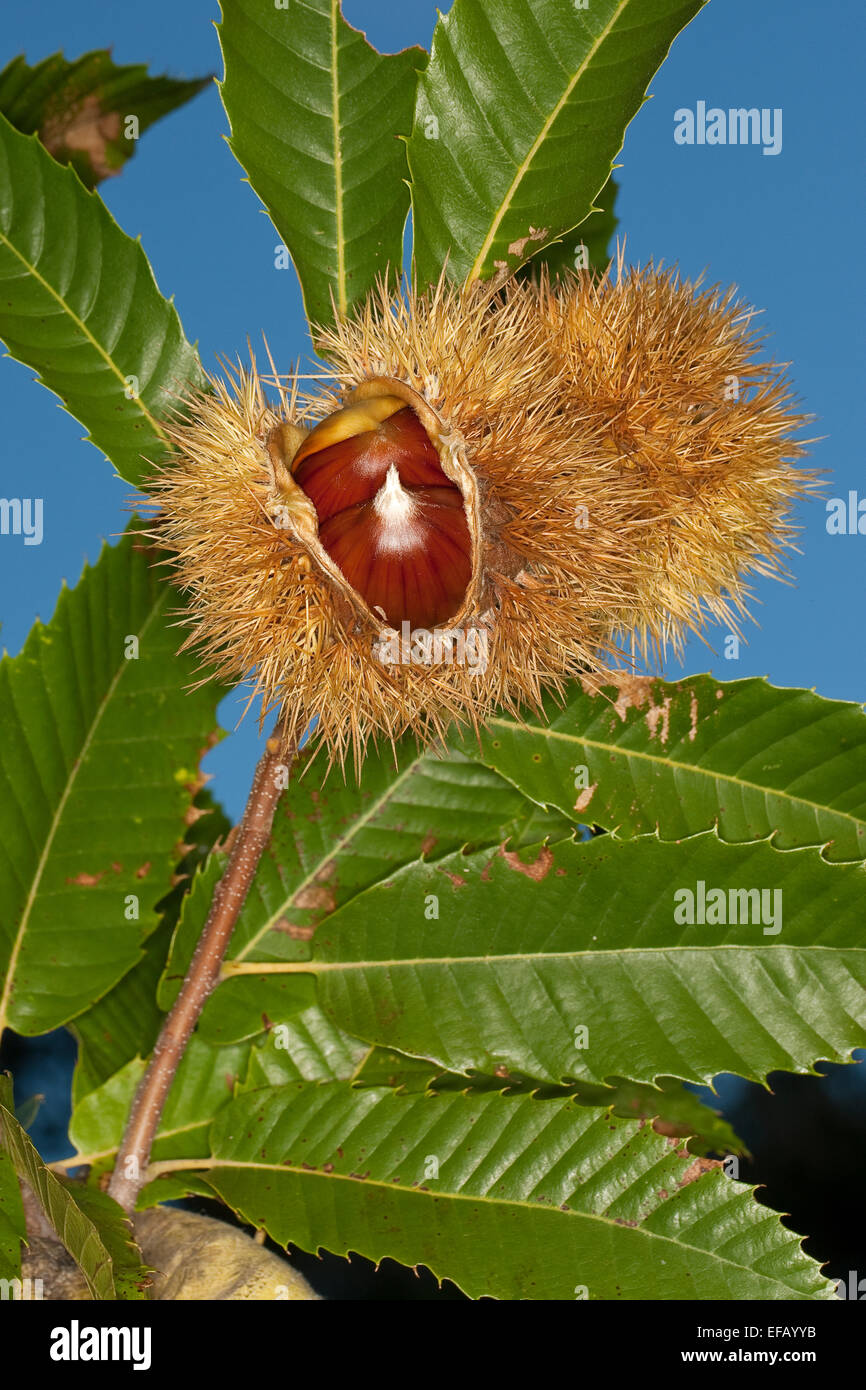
[[328, 844], [98, 762], [13, 1228], [568, 1198], [125, 1022], [520, 113], [90, 1225], [80, 109], [131, 1276], [382, 1066], [315, 117], [97, 1121], [79, 304], [674, 1110], [253, 1004], [673, 1107], [589, 247], [527, 953], [304, 1047], [750, 757]]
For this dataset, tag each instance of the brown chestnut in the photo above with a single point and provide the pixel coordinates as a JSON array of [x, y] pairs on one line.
[[389, 517]]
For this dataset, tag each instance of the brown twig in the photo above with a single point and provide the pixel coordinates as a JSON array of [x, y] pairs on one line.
[[229, 896]]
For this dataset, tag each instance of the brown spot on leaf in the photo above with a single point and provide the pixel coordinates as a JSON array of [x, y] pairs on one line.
[[693, 716], [633, 692], [537, 870], [658, 719], [671, 1130], [585, 797], [697, 1168], [143, 870], [315, 898], [84, 128], [293, 930], [518, 247], [428, 843], [457, 880], [83, 880]]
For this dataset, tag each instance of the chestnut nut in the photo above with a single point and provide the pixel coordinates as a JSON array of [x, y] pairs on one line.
[[389, 517]]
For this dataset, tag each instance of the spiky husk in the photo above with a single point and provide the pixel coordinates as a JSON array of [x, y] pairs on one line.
[[702, 430], [617, 491]]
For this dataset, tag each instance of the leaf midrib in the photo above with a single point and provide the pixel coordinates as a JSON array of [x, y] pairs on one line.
[[58, 815], [523, 168], [314, 967]]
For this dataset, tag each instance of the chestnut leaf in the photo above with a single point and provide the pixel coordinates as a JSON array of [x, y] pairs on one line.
[[315, 117], [581, 961], [101, 745], [574, 1202], [520, 114], [79, 304], [90, 1225], [680, 757], [89, 111]]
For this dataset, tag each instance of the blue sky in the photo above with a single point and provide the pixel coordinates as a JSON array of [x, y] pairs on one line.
[[783, 228]]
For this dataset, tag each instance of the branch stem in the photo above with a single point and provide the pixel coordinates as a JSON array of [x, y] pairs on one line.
[[251, 837]]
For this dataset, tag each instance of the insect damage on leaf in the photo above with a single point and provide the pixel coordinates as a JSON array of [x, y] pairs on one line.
[[85, 131]]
